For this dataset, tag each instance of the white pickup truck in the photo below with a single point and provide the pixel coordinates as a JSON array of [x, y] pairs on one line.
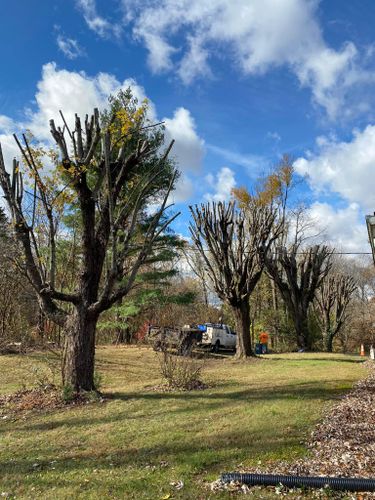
[[218, 336]]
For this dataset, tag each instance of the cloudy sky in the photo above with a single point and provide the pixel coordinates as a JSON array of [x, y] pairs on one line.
[[237, 82]]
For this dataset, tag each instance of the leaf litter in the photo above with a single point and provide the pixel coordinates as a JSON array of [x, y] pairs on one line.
[[38, 399], [341, 445]]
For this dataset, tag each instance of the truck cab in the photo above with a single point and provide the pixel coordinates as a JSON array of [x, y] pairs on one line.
[[218, 336]]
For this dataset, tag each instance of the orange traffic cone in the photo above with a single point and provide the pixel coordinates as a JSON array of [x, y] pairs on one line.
[[362, 350]]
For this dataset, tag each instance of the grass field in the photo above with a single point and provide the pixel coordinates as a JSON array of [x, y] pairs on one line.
[[137, 443]]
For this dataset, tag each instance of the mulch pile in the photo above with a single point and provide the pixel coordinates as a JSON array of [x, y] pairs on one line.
[[30, 399], [37, 399], [343, 444]]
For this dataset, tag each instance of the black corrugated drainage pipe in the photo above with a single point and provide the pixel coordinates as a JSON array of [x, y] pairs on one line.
[[334, 483]]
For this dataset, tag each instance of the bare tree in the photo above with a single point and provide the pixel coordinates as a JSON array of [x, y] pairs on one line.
[[233, 244], [196, 263], [332, 300], [298, 275], [113, 166]]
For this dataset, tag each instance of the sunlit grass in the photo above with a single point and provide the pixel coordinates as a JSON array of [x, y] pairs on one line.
[[138, 442]]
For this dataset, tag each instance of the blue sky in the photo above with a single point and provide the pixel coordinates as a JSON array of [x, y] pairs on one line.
[[239, 82]]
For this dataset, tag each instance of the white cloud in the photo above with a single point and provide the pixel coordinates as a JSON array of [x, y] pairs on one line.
[[72, 92], [184, 190], [7, 125], [256, 36], [194, 63], [159, 53], [97, 23], [76, 92], [9, 148], [188, 147], [342, 228], [69, 47], [346, 168], [222, 183]]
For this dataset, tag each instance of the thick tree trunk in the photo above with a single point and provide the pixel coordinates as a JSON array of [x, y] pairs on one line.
[[79, 351], [302, 330], [242, 317]]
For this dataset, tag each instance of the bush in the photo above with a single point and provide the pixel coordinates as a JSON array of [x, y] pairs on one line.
[[181, 372], [42, 375]]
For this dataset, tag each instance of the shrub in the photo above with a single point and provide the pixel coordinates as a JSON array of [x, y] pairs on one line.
[[181, 372], [42, 376]]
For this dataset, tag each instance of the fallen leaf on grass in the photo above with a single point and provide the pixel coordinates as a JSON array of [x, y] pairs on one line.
[[177, 484], [343, 444]]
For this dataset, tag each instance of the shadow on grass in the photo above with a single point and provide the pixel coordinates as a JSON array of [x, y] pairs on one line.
[[211, 400], [303, 390], [326, 360], [221, 450]]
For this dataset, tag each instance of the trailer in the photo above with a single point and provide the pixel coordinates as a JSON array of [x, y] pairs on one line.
[[183, 339]]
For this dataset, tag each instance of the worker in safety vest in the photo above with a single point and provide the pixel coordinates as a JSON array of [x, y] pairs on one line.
[[263, 339]]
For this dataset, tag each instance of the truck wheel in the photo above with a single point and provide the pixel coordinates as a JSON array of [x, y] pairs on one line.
[[157, 346], [216, 347], [186, 348]]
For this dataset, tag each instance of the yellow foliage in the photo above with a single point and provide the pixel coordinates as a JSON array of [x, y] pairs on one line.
[[242, 196], [270, 188], [127, 120]]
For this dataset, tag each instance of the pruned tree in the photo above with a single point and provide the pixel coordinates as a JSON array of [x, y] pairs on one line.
[[273, 189], [196, 264], [332, 300], [298, 274], [112, 166], [233, 243]]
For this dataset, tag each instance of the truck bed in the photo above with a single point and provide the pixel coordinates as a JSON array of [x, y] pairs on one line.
[[182, 339]]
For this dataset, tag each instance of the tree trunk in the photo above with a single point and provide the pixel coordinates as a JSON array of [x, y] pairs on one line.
[[79, 351], [302, 330], [328, 341], [41, 324], [242, 317], [276, 328], [123, 335]]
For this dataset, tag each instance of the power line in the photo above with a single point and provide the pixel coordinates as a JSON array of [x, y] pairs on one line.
[[296, 253], [352, 253]]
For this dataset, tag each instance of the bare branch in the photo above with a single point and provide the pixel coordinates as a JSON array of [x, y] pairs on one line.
[[298, 277], [233, 244]]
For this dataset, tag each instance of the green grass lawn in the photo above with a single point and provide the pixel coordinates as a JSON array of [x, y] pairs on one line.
[[138, 442]]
